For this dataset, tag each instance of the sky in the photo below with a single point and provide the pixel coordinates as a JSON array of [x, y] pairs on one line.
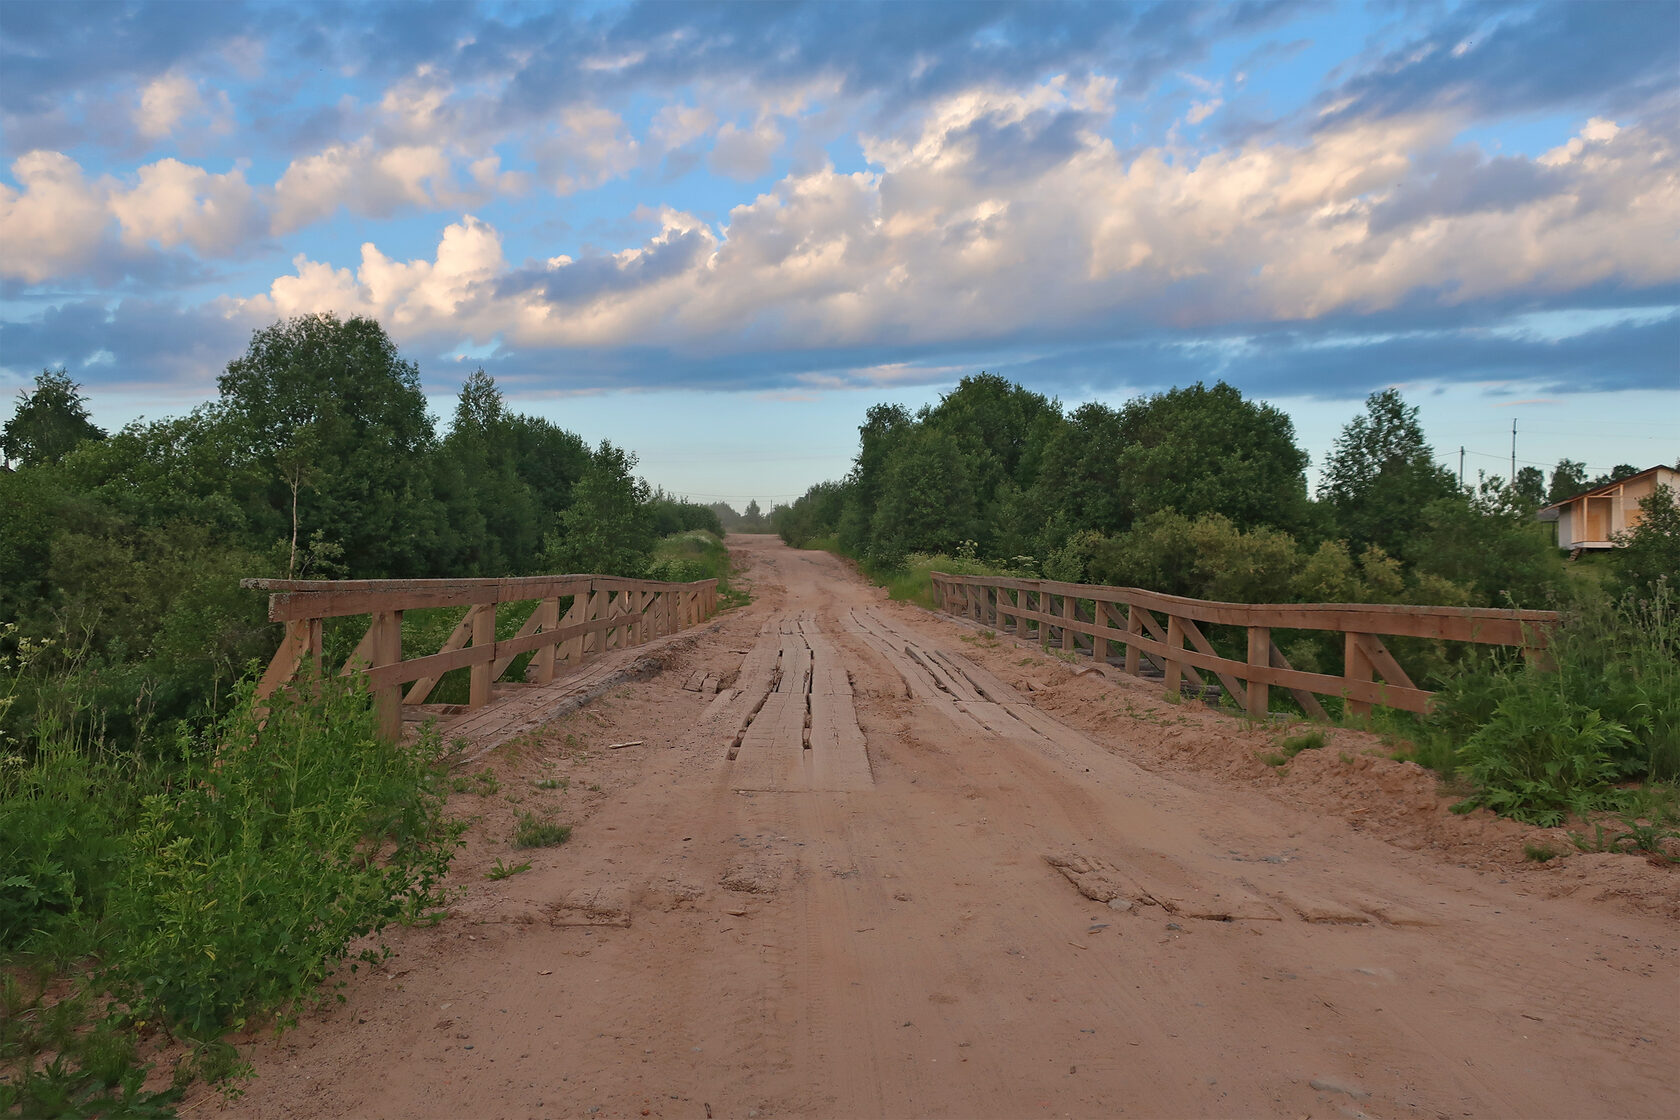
[[717, 233]]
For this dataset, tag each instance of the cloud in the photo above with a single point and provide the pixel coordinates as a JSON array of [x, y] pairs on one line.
[[1379, 218], [55, 225], [677, 124], [175, 203], [366, 180], [586, 147], [745, 154], [164, 102], [1493, 60]]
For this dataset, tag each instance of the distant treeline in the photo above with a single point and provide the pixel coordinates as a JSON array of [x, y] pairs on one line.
[[1196, 491], [121, 554]]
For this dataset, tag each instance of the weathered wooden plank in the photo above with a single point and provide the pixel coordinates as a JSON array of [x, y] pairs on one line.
[[458, 638], [387, 650], [1472, 624]]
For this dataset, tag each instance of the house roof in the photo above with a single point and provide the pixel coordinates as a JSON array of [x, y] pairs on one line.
[[1607, 486]]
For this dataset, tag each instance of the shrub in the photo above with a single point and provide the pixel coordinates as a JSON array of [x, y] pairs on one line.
[[251, 877]]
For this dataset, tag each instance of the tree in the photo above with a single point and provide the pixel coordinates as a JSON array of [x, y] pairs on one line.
[[927, 501], [607, 529], [48, 422], [1381, 475], [492, 509], [1530, 488], [1651, 550], [1078, 484], [1200, 451], [1569, 478], [340, 394], [883, 428], [1617, 473]]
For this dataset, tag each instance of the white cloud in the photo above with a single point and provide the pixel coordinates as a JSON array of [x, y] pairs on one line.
[[675, 125], [164, 101], [1202, 110], [586, 147], [367, 180], [176, 203], [55, 225], [405, 295], [930, 249], [745, 154]]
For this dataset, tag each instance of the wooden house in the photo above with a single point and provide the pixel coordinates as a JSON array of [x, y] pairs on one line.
[[1596, 517]]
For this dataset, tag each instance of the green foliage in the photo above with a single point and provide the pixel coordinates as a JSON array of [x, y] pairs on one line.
[[1291, 746], [533, 831], [1650, 553], [48, 423], [1208, 451], [484, 783], [607, 528], [335, 421], [1540, 740], [1654, 835], [1381, 475], [1569, 478], [926, 502], [247, 881], [506, 871], [1541, 757], [212, 893]]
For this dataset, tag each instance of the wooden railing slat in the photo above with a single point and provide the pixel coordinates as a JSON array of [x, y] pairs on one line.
[[607, 612], [1362, 624]]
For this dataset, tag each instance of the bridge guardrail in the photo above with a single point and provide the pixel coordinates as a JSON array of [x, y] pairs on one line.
[[1086, 617], [606, 612]]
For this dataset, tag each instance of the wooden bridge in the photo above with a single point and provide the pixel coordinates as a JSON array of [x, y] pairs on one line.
[[1088, 618], [576, 619]]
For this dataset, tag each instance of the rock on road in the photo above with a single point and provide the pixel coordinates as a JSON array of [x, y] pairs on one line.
[[870, 877]]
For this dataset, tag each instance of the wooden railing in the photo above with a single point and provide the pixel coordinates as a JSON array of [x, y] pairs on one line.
[[605, 613], [1087, 617]]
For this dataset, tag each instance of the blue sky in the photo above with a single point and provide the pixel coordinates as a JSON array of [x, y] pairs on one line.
[[716, 234]]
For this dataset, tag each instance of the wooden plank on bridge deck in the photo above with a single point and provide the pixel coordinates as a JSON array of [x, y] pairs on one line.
[[838, 758]]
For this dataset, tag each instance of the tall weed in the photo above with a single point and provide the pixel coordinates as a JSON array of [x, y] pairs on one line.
[[250, 878], [1542, 738]]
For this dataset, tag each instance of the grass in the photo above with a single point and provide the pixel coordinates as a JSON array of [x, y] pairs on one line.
[[533, 831], [484, 783], [224, 892], [506, 871], [1292, 745], [1540, 853], [695, 555], [553, 783]]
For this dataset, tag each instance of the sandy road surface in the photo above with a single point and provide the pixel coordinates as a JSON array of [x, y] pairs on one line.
[[858, 915]]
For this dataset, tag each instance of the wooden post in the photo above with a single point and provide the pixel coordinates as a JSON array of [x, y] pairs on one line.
[[543, 660], [387, 650], [1259, 656], [576, 613], [1070, 609], [1099, 641], [1356, 666], [1134, 629], [483, 634], [1175, 642]]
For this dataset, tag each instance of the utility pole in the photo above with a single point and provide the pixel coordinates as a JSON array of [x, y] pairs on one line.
[[1461, 466], [1513, 452]]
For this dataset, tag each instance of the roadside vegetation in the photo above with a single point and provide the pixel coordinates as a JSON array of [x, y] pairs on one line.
[[1199, 492], [174, 863]]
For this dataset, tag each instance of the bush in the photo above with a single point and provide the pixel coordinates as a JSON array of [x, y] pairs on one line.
[[250, 878], [1540, 738]]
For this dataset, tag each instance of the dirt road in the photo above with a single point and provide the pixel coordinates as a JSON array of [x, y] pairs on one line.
[[939, 875]]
